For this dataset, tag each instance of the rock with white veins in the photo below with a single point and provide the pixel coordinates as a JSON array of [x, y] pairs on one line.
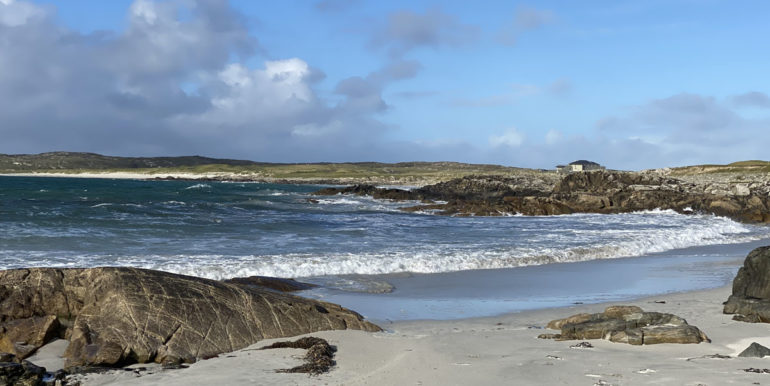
[[119, 316]]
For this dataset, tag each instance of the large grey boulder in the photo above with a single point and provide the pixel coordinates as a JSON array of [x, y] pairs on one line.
[[627, 324], [750, 300], [118, 316]]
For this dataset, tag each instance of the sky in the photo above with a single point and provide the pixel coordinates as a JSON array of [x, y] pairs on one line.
[[629, 84]]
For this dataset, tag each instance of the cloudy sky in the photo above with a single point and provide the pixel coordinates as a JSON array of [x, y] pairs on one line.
[[632, 85]]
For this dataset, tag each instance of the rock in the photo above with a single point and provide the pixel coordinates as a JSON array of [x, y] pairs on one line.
[[672, 334], [621, 311], [21, 374], [582, 345], [755, 350], [22, 337], [759, 371], [274, 283], [574, 319], [750, 300], [8, 357], [119, 316], [586, 192], [627, 324], [741, 190]]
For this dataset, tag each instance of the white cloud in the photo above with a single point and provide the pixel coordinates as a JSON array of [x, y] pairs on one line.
[[17, 13], [511, 138]]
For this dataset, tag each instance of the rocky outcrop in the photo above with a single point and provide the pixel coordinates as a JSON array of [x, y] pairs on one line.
[[273, 283], [587, 192], [118, 316], [627, 324], [750, 300]]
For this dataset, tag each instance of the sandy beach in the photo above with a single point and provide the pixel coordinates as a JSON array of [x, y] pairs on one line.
[[495, 350]]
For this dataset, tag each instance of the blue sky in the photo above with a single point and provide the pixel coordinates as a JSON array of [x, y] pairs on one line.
[[632, 85]]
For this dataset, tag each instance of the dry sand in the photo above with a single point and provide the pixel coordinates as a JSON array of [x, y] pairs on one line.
[[495, 350]]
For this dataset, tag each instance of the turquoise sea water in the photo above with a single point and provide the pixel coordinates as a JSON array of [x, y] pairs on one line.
[[221, 230]]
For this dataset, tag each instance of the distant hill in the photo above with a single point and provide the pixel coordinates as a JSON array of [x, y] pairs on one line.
[[90, 161], [403, 172]]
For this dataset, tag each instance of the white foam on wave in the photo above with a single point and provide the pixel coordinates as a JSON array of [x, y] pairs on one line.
[[174, 203], [198, 186], [345, 202], [435, 259]]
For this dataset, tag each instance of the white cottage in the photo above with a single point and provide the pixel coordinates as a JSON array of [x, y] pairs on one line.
[[579, 166]]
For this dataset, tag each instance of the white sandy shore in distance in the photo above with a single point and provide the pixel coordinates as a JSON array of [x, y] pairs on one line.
[[496, 351], [122, 175]]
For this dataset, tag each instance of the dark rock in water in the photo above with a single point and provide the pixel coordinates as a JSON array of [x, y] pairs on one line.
[[755, 350], [371, 190], [274, 283], [119, 316], [750, 300], [627, 324], [319, 358], [21, 374]]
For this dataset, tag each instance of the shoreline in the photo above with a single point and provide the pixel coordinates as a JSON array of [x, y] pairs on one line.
[[489, 292], [234, 177], [494, 350]]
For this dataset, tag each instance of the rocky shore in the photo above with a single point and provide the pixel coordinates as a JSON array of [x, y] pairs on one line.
[[742, 197], [648, 341], [121, 316]]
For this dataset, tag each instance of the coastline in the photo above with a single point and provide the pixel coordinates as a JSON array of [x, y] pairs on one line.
[[494, 350], [499, 347], [491, 292], [236, 177]]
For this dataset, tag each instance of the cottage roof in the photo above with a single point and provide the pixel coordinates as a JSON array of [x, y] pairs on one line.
[[584, 163]]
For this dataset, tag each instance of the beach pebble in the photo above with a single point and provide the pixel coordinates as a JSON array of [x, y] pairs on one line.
[[582, 345]]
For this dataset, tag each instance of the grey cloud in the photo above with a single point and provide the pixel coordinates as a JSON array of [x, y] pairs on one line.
[[366, 93], [524, 19], [686, 113], [166, 85], [398, 70], [361, 94], [691, 128], [752, 99], [406, 30]]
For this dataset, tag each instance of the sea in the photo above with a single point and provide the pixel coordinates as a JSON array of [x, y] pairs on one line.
[[364, 253]]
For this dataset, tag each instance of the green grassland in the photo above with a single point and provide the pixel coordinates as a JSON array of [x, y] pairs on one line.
[[741, 167], [75, 163]]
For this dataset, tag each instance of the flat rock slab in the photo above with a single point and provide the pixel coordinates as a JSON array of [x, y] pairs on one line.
[[118, 316], [627, 324]]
